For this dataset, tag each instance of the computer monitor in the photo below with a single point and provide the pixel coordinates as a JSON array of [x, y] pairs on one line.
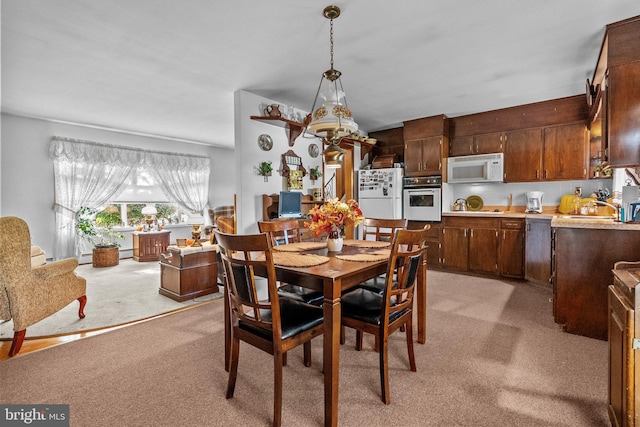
[[290, 204]]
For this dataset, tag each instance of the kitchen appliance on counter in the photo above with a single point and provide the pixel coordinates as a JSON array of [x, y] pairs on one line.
[[534, 201], [380, 192], [478, 168], [460, 204], [422, 198]]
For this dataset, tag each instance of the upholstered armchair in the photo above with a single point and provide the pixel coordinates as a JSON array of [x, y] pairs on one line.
[[28, 295]]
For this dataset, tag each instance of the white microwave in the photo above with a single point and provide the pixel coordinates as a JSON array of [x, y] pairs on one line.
[[478, 168]]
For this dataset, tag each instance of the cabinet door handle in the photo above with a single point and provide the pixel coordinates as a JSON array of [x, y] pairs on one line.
[[537, 173], [504, 235]]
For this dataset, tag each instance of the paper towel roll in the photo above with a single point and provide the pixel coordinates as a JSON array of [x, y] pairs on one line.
[[630, 194]]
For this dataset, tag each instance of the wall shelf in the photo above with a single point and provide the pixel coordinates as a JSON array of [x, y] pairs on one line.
[[294, 129]]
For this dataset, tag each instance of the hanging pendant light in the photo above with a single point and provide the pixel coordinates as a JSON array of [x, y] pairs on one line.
[[332, 120]]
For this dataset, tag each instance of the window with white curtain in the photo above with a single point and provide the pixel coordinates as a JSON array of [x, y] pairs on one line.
[[94, 175]]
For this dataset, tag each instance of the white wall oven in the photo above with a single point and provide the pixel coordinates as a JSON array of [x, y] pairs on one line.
[[422, 198]]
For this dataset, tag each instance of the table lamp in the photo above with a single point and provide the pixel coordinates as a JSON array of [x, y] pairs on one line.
[[149, 210], [195, 220]]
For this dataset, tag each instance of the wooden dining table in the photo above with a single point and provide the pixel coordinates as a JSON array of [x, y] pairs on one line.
[[333, 278]]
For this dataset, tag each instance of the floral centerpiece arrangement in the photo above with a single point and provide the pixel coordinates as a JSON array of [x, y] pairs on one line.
[[333, 216]]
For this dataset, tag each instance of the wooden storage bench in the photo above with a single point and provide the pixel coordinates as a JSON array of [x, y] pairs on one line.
[[187, 273]]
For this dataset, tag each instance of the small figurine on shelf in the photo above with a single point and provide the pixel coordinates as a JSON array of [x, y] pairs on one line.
[[265, 169]]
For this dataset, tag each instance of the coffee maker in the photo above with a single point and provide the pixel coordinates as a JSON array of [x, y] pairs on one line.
[[534, 201]]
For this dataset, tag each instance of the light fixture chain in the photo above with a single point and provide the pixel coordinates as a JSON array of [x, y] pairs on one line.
[[331, 40]]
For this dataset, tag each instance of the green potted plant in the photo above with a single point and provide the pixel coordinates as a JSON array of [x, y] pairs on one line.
[[97, 229], [265, 169], [315, 173]]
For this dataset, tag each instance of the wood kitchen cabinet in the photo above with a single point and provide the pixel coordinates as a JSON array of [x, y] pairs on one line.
[[455, 247], [423, 157], [546, 154], [483, 245], [617, 75], [476, 144], [483, 249], [149, 245], [623, 120], [523, 155], [512, 248], [624, 379], [538, 250], [425, 145], [470, 244], [565, 154], [582, 263], [433, 241]]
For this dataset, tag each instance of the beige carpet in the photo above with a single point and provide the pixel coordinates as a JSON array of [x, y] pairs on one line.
[[115, 295], [493, 357]]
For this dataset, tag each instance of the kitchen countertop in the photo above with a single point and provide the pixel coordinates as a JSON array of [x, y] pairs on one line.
[[557, 219]]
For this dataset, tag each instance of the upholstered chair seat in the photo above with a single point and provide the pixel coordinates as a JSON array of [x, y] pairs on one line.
[[29, 295]]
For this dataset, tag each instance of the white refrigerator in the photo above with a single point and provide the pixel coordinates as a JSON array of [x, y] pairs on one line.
[[380, 192]]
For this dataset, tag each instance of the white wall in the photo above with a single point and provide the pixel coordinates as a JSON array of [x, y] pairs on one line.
[[248, 155], [497, 194], [26, 171]]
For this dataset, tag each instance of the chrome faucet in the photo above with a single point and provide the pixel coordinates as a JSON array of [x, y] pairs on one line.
[[615, 207]]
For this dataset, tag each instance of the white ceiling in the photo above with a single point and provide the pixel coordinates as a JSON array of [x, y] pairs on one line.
[[170, 67]]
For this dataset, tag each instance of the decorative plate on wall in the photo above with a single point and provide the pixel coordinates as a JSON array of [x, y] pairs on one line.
[[314, 150], [265, 142]]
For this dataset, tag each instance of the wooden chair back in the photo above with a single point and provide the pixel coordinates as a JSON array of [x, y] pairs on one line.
[[281, 231], [241, 255], [382, 229], [406, 255]]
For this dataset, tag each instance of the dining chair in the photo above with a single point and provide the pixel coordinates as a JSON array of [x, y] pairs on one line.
[[382, 314], [275, 325], [382, 230], [282, 232]]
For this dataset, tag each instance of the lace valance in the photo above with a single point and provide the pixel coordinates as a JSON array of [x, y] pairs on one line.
[[94, 152]]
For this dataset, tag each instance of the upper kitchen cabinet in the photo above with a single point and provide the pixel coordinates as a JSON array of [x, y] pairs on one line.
[[536, 139], [389, 141], [616, 81], [523, 155], [546, 154], [476, 144], [426, 144], [565, 152]]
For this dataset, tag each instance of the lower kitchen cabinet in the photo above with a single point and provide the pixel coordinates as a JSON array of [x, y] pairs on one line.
[[433, 241], [624, 380], [483, 249], [538, 250], [583, 259], [455, 247], [512, 248], [483, 245]]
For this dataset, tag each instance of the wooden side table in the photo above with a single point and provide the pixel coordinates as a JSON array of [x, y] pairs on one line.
[[148, 245], [187, 273]]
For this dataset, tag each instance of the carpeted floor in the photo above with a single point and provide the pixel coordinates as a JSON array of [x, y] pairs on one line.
[[115, 295], [493, 357]]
